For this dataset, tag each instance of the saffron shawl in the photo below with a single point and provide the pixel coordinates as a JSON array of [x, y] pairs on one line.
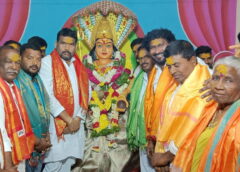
[[63, 89], [222, 150], [154, 100], [179, 116], [18, 126]]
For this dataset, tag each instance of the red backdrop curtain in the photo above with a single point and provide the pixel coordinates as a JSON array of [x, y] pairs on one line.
[[13, 18], [209, 22]]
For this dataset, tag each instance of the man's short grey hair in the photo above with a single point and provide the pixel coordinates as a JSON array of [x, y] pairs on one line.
[[230, 61]]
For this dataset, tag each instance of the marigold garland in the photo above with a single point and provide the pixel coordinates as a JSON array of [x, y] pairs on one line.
[[111, 80]]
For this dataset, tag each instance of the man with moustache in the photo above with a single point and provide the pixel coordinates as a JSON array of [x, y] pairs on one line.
[[136, 132], [182, 105], [66, 81], [13, 111], [36, 101], [156, 41]]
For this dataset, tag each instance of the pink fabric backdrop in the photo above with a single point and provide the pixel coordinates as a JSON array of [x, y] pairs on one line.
[[13, 18], [209, 22]]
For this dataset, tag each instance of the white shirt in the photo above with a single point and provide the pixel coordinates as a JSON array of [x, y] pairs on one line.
[[73, 144], [137, 71], [144, 86], [6, 141], [157, 77], [200, 61]]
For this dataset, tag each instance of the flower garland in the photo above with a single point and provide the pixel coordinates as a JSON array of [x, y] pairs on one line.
[[107, 84]]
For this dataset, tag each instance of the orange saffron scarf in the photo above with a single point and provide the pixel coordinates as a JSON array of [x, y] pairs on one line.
[[227, 151], [63, 89], [18, 126], [154, 100], [180, 115]]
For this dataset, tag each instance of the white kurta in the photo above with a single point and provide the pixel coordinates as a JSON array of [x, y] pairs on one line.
[[157, 77], [144, 162], [6, 140], [73, 144]]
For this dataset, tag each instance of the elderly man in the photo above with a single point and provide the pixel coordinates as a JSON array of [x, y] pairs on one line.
[[66, 81], [12, 108], [182, 105], [216, 133], [36, 101]]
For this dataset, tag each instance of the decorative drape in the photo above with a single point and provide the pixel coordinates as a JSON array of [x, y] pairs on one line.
[[13, 18], [209, 22]]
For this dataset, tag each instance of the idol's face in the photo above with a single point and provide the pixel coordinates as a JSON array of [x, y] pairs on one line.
[[104, 48]]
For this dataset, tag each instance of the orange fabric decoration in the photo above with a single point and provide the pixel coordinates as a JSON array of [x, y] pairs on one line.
[[153, 101], [227, 150], [21, 136], [63, 89], [181, 116]]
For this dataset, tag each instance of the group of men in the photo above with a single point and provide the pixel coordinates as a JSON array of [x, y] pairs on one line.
[[165, 97], [44, 101], [42, 105]]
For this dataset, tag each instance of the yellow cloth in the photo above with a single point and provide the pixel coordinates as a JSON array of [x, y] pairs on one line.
[[200, 147], [179, 117]]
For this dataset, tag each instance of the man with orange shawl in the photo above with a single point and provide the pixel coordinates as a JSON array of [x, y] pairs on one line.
[[13, 112], [214, 143], [156, 41], [182, 105], [66, 81]]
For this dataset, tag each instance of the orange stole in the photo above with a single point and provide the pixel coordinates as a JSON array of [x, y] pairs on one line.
[[226, 152], [22, 145], [63, 89], [153, 101], [185, 110]]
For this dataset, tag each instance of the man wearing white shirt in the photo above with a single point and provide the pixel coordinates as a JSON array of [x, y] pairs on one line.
[[138, 90], [156, 41], [63, 76], [15, 125]]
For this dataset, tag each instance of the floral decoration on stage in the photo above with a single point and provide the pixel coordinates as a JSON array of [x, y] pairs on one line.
[[108, 82]]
